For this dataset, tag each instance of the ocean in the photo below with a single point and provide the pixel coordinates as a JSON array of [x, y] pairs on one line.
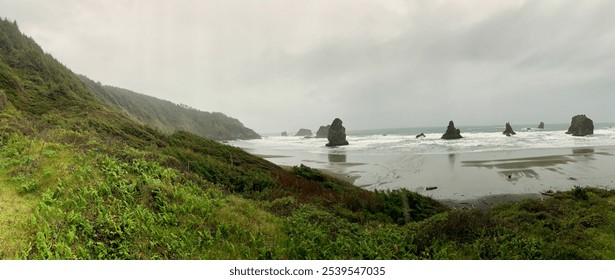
[[403, 140], [483, 163]]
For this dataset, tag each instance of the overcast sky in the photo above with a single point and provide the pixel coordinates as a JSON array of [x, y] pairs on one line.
[[285, 64]]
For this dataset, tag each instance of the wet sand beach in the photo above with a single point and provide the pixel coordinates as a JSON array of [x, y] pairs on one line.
[[473, 179], [473, 175]]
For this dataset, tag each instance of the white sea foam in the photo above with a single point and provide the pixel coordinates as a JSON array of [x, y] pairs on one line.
[[477, 141]]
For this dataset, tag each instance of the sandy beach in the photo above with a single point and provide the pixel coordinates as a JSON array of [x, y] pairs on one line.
[[473, 179]]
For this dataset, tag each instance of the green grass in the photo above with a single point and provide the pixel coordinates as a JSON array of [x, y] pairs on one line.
[[15, 212], [109, 209]]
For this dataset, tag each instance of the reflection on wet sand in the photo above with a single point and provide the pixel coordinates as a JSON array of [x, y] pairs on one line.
[[520, 163], [583, 151], [515, 169], [451, 159], [337, 158]]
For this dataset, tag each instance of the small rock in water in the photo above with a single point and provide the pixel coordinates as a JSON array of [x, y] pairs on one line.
[[431, 188], [452, 132], [541, 125], [509, 131], [323, 131], [304, 132]]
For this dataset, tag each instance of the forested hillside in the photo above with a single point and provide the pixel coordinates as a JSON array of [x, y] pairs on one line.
[[170, 117], [79, 179]]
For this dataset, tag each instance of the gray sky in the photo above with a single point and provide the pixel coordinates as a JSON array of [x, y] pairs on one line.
[[285, 64]]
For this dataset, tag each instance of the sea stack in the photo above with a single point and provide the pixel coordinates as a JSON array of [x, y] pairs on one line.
[[508, 131], [304, 132], [452, 132], [337, 134], [323, 131], [284, 133], [581, 125], [541, 125]]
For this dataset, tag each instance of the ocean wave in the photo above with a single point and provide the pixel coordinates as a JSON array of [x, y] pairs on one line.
[[473, 141]]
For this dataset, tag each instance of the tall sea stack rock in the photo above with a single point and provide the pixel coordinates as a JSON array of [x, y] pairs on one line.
[[452, 132], [508, 131], [337, 134], [541, 125], [284, 133], [304, 132], [323, 131], [581, 126]]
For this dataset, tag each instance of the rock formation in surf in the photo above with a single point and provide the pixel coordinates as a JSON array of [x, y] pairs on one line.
[[323, 131], [508, 131], [304, 132], [451, 132], [337, 134], [284, 133], [421, 135], [541, 125], [581, 125]]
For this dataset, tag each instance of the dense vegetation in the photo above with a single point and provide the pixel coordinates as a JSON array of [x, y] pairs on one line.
[[170, 117], [80, 180]]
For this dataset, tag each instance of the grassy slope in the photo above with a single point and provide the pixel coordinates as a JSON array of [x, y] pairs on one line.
[[79, 180]]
